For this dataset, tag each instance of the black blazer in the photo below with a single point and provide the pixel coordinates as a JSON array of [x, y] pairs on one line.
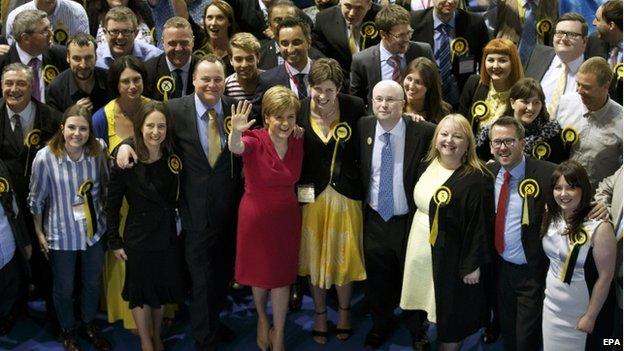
[[418, 136], [318, 156], [15, 218], [150, 223], [208, 195], [268, 55], [330, 35], [539, 61], [55, 56], [468, 25], [473, 91], [18, 158], [541, 171], [267, 79], [157, 67], [249, 17]]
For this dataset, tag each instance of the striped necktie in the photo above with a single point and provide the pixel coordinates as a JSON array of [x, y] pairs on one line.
[[559, 90], [443, 59], [385, 197], [529, 35]]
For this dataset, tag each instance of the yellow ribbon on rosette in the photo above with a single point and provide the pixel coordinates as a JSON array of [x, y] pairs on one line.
[[527, 188], [441, 197], [342, 133], [568, 267], [541, 150], [543, 27], [369, 31], [459, 46], [618, 70], [84, 192], [33, 138], [165, 85], [227, 128], [175, 166], [479, 111]]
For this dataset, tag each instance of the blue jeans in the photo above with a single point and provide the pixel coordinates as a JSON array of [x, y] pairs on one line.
[[63, 272]]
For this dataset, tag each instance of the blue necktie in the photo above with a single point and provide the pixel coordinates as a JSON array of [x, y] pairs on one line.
[[385, 201], [443, 58], [529, 35]]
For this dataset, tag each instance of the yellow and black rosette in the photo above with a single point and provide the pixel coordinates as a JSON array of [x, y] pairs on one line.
[[227, 125], [543, 27], [527, 188], [541, 150], [459, 46], [618, 70], [175, 164], [165, 85], [4, 185], [33, 138], [49, 73], [569, 136], [84, 191], [369, 30], [441, 197], [342, 132], [199, 53], [479, 111], [568, 267], [60, 36], [153, 34]]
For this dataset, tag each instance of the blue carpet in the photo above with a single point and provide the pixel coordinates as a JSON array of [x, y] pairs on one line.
[[33, 333]]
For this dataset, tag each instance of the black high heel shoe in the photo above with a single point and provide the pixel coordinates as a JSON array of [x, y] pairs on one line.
[[319, 333], [343, 334]]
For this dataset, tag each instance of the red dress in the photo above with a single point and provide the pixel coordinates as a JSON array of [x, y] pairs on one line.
[[269, 218]]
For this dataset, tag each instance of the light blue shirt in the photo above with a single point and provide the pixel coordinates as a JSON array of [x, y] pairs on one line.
[[140, 50], [514, 252], [7, 241], [437, 34], [201, 117], [397, 141], [386, 66]]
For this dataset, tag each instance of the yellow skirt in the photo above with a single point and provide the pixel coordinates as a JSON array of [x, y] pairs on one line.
[[331, 240]]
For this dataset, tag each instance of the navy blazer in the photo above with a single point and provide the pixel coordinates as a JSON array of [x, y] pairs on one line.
[[156, 68], [55, 56]]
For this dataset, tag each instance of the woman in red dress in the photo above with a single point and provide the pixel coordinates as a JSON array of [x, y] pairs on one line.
[[269, 218]]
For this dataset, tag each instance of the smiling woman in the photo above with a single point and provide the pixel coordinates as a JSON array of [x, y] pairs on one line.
[[219, 26]]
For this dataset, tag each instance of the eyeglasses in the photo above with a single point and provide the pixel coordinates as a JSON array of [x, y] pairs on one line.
[[405, 35], [389, 100], [497, 143], [571, 35], [116, 32]]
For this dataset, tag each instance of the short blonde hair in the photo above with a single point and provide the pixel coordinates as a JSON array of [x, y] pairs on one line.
[[279, 99], [599, 67], [244, 41]]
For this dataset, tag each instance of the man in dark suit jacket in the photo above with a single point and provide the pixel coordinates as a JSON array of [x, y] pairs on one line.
[[334, 25], [251, 17], [82, 83], [176, 62], [374, 64], [15, 253], [427, 25], [387, 222], [521, 266], [209, 195], [31, 31]]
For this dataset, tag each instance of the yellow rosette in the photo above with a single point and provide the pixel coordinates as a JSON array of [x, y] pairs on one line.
[[441, 197], [618, 70], [459, 46], [527, 188], [369, 31], [33, 138], [4, 185], [479, 111], [165, 85], [541, 150], [227, 128], [569, 136], [153, 34], [568, 267], [175, 166], [60, 36], [49, 73], [84, 192], [199, 53], [341, 133], [543, 27]]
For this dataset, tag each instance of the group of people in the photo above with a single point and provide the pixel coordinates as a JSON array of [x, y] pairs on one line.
[[469, 172]]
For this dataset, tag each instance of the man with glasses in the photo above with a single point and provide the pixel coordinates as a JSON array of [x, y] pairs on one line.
[[388, 59], [120, 27], [521, 265], [391, 148], [338, 30], [33, 48], [555, 68], [67, 18]]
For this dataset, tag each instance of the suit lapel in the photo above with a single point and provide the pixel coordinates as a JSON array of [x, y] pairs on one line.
[[190, 113], [410, 150], [427, 31], [376, 73], [368, 142]]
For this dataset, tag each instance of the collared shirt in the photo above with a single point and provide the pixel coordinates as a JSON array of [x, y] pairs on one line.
[[514, 252], [185, 72], [397, 141], [27, 117], [202, 122], [386, 67], [25, 59], [53, 193], [68, 15], [551, 77], [599, 145], [437, 34], [292, 73], [7, 241], [140, 50], [278, 53]]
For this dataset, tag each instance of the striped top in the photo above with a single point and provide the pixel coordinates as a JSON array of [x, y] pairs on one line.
[[234, 90], [54, 188]]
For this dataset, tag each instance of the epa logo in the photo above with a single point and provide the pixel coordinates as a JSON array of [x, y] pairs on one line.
[[611, 342]]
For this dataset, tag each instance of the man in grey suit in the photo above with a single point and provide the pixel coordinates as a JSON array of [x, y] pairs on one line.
[[210, 191], [390, 57]]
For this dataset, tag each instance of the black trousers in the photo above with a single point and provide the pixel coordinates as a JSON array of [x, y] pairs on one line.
[[9, 286], [210, 272], [384, 254], [520, 301]]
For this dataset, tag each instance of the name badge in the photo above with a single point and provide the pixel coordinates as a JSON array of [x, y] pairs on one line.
[[466, 65], [305, 193], [79, 211]]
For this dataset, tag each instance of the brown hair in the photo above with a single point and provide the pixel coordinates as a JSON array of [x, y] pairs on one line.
[[527, 88], [435, 107], [508, 121], [612, 12], [227, 10], [326, 69], [166, 147], [599, 67], [57, 144], [574, 16], [391, 15]]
